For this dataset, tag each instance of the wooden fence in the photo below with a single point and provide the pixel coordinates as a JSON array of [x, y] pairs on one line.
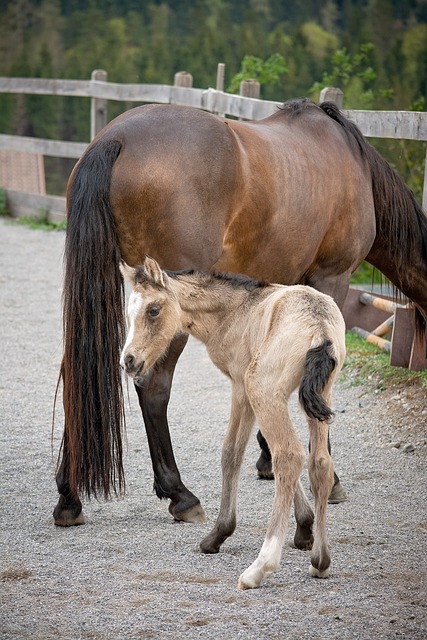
[[380, 124]]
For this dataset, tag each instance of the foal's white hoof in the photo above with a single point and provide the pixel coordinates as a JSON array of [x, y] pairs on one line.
[[244, 584], [248, 580], [315, 573]]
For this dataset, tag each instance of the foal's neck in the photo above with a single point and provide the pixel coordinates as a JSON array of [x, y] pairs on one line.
[[206, 305]]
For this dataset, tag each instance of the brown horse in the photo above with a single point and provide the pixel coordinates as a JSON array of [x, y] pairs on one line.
[[299, 197], [269, 340]]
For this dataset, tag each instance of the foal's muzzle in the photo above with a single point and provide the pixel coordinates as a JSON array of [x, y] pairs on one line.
[[131, 366]]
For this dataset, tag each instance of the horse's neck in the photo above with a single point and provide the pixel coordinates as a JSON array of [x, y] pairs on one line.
[[206, 309]]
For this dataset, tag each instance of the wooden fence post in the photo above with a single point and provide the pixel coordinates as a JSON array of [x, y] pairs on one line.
[[250, 88], [98, 106], [220, 76], [332, 94], [183, 79]]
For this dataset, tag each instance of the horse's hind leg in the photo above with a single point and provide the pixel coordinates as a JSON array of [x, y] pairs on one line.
[[68, 511], [263, 464], [153, 399], [305, 517], [321, 474], [265, 471]]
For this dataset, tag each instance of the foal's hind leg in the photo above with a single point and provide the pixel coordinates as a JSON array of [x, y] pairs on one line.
[[288, 461], [321, 474], [268, 397], [154, 398]]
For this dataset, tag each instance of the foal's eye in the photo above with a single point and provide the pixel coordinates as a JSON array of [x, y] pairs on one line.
[[153, 312]]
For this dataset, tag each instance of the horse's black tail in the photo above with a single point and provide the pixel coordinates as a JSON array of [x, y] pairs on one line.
[[319, 364], [93, 320], [401, 238]]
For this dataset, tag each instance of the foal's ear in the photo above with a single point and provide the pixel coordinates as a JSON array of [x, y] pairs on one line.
[[154, 272], [127, 272]]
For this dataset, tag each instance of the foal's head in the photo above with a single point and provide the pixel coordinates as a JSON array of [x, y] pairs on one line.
[[152, 317]]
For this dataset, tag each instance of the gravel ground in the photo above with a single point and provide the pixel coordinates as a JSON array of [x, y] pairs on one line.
[[132, 572]]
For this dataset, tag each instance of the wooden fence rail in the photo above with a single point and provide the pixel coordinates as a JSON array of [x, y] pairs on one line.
[[381, 124]]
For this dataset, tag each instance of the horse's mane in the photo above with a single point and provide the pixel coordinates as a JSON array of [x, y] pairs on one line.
[[237, 281], [296, 106]]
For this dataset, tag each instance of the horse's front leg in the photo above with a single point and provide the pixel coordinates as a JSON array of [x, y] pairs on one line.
[[237, 436], [68, 511], [153, 399]]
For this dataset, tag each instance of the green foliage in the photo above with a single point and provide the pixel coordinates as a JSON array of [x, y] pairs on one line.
[[366, 274], [266, 72], [41, 221], [354, 75], [3, 203], [367, 362]]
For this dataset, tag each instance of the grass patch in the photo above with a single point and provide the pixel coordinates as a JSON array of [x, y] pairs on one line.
[[366, 364], [3, 203], [41, 221]]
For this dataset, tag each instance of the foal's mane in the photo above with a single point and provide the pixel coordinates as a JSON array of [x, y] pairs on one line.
[[237, 281]]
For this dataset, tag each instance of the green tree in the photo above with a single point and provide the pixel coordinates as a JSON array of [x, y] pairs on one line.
[[354, 75], [266, 72]]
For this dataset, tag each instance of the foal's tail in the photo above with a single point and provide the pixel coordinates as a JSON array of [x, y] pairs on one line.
[[319, 364], [93, 320]]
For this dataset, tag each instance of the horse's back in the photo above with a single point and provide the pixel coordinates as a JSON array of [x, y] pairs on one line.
[[277, 199]]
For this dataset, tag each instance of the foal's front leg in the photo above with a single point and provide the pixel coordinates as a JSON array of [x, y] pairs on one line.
[[237, 436]]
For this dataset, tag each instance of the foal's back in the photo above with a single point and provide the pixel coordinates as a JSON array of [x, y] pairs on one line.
[[279, 323]]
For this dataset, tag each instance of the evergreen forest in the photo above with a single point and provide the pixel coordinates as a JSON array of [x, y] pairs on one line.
[[374, 50]]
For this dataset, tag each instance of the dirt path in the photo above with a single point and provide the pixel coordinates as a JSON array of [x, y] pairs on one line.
[[131, 572]]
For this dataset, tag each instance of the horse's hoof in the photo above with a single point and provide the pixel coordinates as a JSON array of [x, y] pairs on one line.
[[208, 547], [303, 542], [337, 494], [68, 514], [264, 468], [315, 573], [67, 518], [195, 514]]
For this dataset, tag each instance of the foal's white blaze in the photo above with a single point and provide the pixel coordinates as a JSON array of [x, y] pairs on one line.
[[134, 307], [268, 560]]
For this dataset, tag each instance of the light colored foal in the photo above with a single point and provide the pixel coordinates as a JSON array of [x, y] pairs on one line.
[[269, 340]]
